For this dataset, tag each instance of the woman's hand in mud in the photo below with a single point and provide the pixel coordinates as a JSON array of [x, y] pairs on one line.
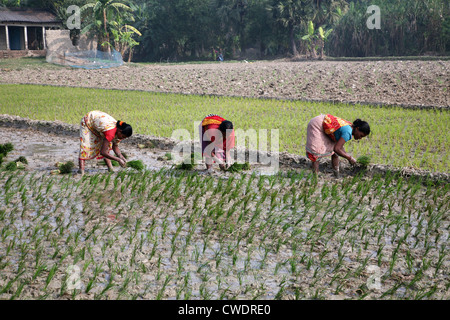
[[122, 162], [352, 161]]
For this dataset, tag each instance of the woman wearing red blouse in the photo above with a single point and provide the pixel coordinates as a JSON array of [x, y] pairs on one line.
[[100, 133], [217, 139]]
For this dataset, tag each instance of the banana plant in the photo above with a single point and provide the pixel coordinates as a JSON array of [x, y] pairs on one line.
[[103, 13], [123, 38], [315, 40]]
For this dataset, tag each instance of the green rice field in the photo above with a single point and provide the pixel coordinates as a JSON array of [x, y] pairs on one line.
[[401, 137], [170, 234]]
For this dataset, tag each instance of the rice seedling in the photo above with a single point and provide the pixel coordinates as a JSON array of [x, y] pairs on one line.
[[50, 275]]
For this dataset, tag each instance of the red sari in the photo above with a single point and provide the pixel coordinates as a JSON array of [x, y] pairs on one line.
[[211, 122]]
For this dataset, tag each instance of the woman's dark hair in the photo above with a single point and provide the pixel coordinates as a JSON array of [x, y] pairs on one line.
[[226, 125], [363, 126], [125, 128]]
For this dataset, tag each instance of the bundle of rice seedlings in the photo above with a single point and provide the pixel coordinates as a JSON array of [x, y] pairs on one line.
[[6, 148], [66, 167], [185, 166], [188, 164], [13, 166], [236, 167], [21, 159], [168, 156], [136, 164], [363, 160]]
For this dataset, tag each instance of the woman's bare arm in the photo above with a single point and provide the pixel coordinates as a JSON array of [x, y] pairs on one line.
[[105, 153], [339, 149], [116, 150]]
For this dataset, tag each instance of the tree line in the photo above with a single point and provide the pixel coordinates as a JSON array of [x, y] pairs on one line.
[[169, 30]]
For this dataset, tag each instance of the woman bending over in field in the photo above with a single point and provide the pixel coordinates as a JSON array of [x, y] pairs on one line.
[[99, 134], [217, 139], [326, 136]]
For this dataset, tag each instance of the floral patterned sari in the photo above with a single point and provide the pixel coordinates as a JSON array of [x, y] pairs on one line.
[[93, 127]]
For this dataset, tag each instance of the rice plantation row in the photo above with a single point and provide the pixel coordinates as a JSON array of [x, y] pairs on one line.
[[400, 137], [175, 234]]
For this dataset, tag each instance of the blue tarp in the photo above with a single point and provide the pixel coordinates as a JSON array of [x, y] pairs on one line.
[[94, 59]]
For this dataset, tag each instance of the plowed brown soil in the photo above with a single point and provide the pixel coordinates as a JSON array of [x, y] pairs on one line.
[[407, 83]]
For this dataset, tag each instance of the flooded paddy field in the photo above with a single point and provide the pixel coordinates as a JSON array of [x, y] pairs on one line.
[[173, 234], [170, 234]]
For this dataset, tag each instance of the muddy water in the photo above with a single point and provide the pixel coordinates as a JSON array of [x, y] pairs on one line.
[[43, 151], [244, 278]]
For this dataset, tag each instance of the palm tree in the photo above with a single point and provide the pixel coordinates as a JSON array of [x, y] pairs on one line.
[[231, 20], [328, 12], [291, 14], [103, 11]]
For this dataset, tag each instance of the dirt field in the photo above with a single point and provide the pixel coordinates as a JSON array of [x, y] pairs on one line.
[[408, 83]]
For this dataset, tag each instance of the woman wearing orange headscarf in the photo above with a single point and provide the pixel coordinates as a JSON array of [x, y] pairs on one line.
[[217, 139], [99, 134], [326, 136]]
